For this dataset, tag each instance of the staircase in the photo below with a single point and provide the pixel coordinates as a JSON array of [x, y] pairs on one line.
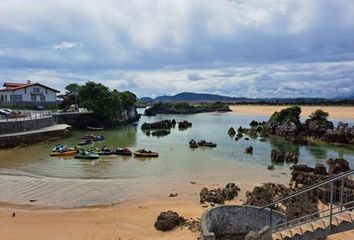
[[325, 209]]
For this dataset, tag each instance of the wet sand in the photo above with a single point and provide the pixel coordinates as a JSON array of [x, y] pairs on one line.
[[335, 112]]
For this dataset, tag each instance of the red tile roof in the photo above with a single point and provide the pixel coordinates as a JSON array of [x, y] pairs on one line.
[[14, 86]]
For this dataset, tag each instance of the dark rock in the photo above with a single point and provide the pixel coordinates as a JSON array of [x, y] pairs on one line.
[[220, 195], [337, 165], [159, 133], [168, 220], [271, 167], [173, 122], [239, 135], [173, 194], [246, 138], [231, 131], [236, 138], [262, 140], [13, 214], [33, 200], [278, 156], [320, 169], [184, 124], [249, 150], [265, 194], [164, 124]]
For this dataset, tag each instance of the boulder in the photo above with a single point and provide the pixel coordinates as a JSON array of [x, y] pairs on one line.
[[265, 194], [184, 124], [220, 195], [249, 150], [231, 131], [278, 156], [337, 165], [164, 124], [166, 221], [271, 167]]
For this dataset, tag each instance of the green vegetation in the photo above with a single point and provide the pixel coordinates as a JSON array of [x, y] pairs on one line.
[[319, 116], [288, 114], [96, 97]]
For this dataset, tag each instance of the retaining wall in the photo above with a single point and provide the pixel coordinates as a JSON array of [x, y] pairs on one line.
[[14, 126]]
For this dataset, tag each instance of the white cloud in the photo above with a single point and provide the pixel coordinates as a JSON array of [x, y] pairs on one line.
[[67, 45]]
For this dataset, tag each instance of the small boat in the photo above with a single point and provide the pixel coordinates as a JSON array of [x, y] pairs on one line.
[[193, 144], [93, 137], [106, 151], [123, 151], [204, 143], [145, 153], [86, 155], [66, 153], [85, 142], [96, 128]]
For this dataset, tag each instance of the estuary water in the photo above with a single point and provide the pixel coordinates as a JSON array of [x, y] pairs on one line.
[[30, 174]]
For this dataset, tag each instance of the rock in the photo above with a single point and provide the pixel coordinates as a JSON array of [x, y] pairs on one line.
[[239, 135], [320, 169], [164, 124], [318, 128], [265, 194], [13, 214], [271, 167], [236, 138], [160, 133], [249, 150], [246, 138], [220, 195], [166, 221], [193, 182], [33, 200], [262, 140], [173, 194], [231, 131], [184, 124], [337, 165], [291, 157], [277, 156], [173, 122]]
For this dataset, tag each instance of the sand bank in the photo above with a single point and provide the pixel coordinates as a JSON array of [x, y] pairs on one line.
[[335, 112]]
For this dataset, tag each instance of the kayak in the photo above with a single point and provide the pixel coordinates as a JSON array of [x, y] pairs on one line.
[[93, 137], [123, 151], [144, 153], [66, 153]]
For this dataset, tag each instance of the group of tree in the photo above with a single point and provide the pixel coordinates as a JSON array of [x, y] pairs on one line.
[[107, 104]]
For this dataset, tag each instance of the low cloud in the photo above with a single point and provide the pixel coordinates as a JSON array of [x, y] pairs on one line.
[[68, 45]]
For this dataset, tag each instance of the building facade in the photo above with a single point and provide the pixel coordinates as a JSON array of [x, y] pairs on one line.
[[27, 94]]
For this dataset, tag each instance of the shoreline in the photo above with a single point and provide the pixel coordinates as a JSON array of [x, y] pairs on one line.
[[335, 112]]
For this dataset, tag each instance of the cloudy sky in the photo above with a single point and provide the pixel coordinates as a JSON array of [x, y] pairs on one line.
[[249, 48]]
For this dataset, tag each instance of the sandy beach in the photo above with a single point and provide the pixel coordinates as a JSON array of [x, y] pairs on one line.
[[335, 112]]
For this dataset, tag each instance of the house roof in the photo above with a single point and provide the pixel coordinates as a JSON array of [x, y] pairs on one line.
[[10, 86]]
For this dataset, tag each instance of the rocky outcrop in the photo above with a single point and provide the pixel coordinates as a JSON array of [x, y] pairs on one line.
[[231, 132], [278, 156], [184, 124], [318, 128], [166, 221], [343, 133], [164, 124], [265, 194], [220, 195], [160, 133], [185, 108], [337, 165]]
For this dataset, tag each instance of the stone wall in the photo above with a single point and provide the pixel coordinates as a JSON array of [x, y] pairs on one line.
[[25, 139], [13, 126], [232, 220]]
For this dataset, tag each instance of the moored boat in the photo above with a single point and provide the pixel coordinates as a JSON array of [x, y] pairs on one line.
[[93, 137], [204, 143], [123, 151], [66, 153], [96, 128], [85, 142], [145, 153], [86, 155]]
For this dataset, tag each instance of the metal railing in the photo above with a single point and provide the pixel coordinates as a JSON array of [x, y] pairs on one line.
[[23, 115], [322, 200]]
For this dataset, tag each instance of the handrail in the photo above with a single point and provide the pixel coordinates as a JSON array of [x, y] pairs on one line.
[[329, 180]]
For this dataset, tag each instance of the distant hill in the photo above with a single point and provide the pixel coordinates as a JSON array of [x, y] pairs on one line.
[[189, 96], [146, 99]]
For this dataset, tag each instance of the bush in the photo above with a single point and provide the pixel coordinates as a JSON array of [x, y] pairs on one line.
[[288, 114], [319, 116]]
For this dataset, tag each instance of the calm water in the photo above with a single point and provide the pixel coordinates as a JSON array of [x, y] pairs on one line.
[[30, 173]]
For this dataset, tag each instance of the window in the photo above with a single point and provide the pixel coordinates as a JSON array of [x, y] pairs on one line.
[[35, 90], [25, 90], [33, 98], [18, 98], [42, 97]]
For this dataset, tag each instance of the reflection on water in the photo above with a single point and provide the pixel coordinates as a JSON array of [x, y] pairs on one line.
[[29, 173]]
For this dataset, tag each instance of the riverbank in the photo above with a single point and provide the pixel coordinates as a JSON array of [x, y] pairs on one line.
[[335, 112]]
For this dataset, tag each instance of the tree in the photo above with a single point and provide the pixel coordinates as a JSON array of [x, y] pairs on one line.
[[319, 116], [73, 88], [128, 99], [288, 114]]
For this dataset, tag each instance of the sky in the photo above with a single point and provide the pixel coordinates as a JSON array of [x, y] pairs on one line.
[[241, 48]]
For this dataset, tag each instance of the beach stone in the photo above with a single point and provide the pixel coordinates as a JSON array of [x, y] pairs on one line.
[[13, 214], [249, 150], [173, 195], [246, 138], [219, 195], [265, 194], [262, 140], [271, 167], [231, 131], [166, 221]]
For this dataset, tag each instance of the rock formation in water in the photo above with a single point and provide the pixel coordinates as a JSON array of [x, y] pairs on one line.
[[231, 132], [184, 124], [278, 156], [249, 150]]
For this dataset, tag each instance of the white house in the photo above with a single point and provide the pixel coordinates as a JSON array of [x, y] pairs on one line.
[[29, 94]]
